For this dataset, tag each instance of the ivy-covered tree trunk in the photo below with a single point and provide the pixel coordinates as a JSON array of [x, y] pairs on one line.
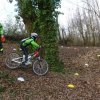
[[48, 31], [27, 12], [45, 24]]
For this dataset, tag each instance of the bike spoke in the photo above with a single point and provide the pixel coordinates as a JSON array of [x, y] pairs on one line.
[[9, 61], [42, 67]]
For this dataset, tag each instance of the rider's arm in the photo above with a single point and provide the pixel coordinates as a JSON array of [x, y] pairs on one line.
[[35, 45], [1, 31]]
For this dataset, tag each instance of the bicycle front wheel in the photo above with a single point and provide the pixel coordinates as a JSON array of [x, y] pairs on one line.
[[9, 61], [40, 67]]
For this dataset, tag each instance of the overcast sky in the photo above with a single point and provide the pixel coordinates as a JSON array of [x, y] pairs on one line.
[[68, 7], [7, 10]]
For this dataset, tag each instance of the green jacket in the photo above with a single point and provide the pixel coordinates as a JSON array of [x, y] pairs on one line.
[[29, 41], [1, 31]]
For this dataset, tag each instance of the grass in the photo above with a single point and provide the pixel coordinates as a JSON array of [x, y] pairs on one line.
[[2, 89], [6, 80], [4, 75]]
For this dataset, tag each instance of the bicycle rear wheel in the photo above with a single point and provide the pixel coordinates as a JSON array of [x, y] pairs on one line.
[[40, 67], [9, 61]]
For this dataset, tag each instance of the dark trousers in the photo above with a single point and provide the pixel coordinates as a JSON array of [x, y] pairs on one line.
[[25, 52], [1, 46]]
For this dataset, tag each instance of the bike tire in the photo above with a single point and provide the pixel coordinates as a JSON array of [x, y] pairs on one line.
[[9, 63], [40, 70]]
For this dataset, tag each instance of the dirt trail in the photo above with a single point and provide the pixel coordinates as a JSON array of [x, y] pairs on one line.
[[53, 86]]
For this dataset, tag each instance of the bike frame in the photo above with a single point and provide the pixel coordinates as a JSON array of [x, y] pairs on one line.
[[15, 60], [20, 62]]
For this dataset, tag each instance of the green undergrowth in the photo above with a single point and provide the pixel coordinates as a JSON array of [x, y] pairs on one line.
[[6, 80]]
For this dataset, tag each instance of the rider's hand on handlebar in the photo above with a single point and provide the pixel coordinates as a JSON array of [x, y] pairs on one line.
[[36, 53]]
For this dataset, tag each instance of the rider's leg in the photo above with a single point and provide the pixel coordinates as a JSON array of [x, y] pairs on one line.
[[25, 52], [1, 47]]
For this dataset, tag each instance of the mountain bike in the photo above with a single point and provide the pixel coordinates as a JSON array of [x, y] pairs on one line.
[[39, 64]]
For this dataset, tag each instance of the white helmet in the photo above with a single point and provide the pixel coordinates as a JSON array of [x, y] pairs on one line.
[[34, 35]]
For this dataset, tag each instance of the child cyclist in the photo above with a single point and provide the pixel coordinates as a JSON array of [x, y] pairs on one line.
[[2, 38], [29, 41]]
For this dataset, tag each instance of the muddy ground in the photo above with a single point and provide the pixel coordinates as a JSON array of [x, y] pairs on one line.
[[54, 86]]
